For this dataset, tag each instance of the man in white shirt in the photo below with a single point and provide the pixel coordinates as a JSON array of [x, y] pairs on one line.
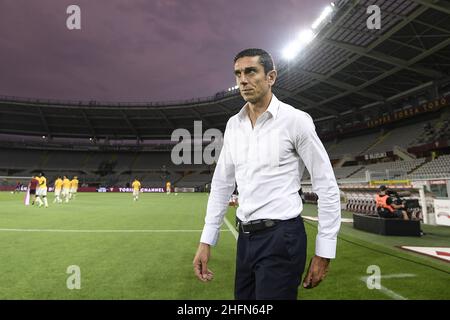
[[265, 147]]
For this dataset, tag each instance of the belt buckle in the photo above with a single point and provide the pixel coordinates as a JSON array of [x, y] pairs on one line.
[[269, 223], [241, 227]]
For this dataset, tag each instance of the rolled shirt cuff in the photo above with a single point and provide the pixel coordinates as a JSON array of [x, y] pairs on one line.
[[210, 235], [325, 248]]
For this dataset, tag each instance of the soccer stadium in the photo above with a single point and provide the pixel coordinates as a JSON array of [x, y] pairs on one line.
[[380, 101]]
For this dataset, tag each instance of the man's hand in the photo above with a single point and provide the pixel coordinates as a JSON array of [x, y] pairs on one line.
[[317, 271], [201, 263]]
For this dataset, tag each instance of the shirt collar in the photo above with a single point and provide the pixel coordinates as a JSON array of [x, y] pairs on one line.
[[272, 109]]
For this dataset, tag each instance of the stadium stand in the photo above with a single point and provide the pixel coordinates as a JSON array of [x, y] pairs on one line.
[[195, 181], [65, 160], [432, 131], [437, 168], [353, 146], [402, 136], [392, 169], [345, 172], [418, 133]]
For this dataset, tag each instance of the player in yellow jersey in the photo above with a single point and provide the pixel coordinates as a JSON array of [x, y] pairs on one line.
[[168, 187], [66, 189], [38, 186], [136, 188], [58, 187], [41, 194], [73, 187]]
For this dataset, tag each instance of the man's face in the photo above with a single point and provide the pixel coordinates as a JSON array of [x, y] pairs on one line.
[[251, 79]]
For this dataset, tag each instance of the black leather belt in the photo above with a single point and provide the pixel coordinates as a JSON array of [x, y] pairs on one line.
[[256, 225]]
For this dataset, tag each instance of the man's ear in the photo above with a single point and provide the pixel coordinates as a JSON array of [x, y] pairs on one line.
[[271, 77]]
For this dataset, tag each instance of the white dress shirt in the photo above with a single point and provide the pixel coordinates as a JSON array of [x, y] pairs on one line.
[[266, 162]]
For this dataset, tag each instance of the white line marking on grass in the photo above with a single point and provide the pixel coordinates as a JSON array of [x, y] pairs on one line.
[[398, 275], [348, 220], [231, 228], [392, 294], [100, 231]]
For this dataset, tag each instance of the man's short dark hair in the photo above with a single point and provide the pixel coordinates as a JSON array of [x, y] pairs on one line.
[[265, 59], [383, 188]]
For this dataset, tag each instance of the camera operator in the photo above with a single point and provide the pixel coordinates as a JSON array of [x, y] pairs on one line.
[[388, 206]]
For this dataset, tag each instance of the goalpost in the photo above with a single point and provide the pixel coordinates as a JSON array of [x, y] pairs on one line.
[[178, 189], [388, 174], [9, 183], [16, 184]]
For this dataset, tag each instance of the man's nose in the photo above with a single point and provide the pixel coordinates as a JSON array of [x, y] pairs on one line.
[[243, 80]]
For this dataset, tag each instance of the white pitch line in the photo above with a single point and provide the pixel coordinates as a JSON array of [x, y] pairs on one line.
[[100, 231], [392, 294], [231, 228], [347, 220], [398, 275]]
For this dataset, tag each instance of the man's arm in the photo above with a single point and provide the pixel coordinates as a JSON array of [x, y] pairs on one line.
[[392, 203], [397, 206], [324, 184], [222, 186]]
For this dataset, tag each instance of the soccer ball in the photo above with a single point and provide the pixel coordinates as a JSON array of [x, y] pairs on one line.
[[176, 194], [12, 192]]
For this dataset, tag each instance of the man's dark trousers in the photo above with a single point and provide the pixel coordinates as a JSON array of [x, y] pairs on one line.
[[270, 263]]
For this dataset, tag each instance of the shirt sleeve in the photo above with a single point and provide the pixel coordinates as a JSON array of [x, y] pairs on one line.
[[222, 186], [316, 160]]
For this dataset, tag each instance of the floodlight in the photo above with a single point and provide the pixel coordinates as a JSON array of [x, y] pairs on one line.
[[325, 13], [292, 50], [306, 36]]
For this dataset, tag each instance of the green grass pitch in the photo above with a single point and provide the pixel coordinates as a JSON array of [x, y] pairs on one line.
[[155, 261]]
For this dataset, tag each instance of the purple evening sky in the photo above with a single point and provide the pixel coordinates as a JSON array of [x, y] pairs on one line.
[[138, 50]]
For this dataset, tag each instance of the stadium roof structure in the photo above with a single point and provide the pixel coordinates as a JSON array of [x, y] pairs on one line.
[[346, 72]]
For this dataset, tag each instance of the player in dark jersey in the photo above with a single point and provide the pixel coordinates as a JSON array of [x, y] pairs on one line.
[[32, 185], [18, 187]]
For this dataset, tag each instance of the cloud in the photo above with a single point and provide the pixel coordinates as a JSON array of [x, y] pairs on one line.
[[137, 50]]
